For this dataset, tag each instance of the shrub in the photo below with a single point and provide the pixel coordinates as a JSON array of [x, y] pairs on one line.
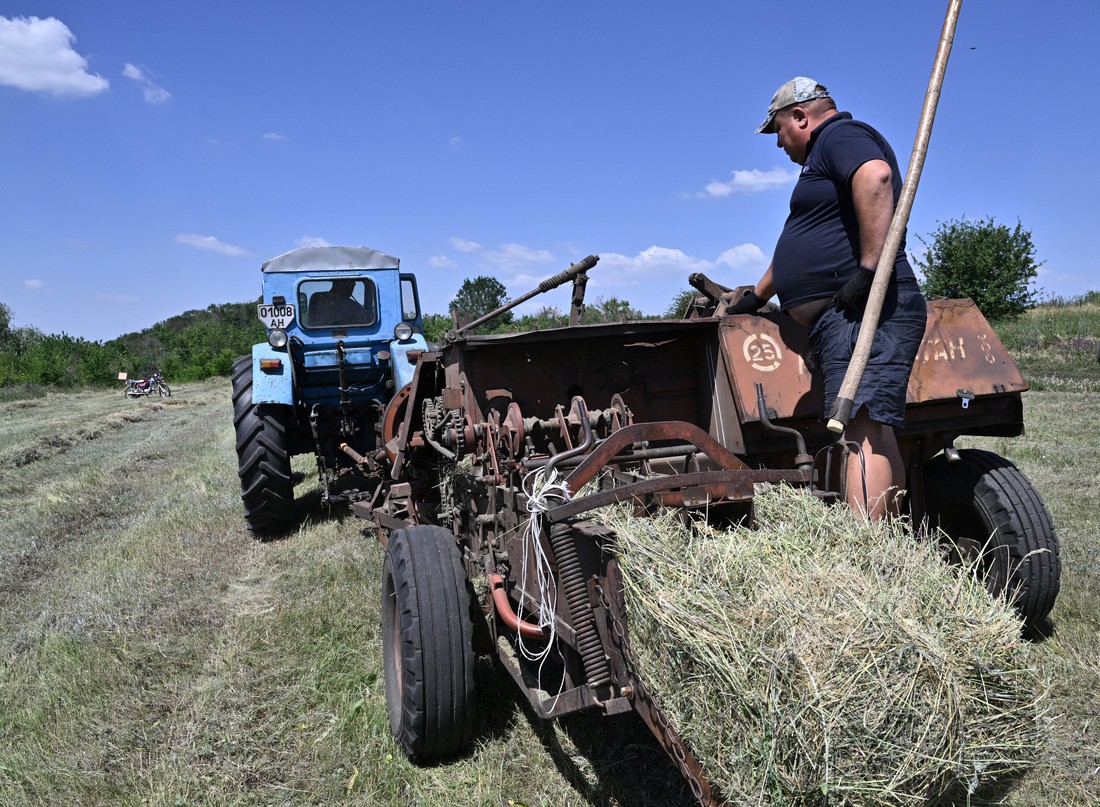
[[987, 262]]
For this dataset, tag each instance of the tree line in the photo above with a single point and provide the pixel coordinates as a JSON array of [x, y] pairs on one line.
[[187, 347], [991, 263]]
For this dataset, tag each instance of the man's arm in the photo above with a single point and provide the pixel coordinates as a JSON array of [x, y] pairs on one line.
[[873, 199], [765, 289], [748, 299]]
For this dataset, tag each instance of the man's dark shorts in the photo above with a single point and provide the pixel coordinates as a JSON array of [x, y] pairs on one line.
[[895, 346]]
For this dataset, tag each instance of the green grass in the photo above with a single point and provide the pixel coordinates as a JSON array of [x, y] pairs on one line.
[[153, 653], [21, 392], [1055, 344], [1060, 455]]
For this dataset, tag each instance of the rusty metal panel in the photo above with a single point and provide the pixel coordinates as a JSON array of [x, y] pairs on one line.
[[725, 425], [452, 397], [768, 349], [662, 369], [961, 352]]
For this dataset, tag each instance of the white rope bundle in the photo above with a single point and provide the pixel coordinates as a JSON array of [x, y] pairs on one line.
[[542, 493]]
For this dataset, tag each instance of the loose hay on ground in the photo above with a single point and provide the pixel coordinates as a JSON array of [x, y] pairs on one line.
[[818, 659]]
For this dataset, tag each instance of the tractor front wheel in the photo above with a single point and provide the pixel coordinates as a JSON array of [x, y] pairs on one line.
[[263, 458], [427, 643], [996, 520]]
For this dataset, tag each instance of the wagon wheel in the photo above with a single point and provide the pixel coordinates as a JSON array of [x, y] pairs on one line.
[[997, 520], [427, 643]]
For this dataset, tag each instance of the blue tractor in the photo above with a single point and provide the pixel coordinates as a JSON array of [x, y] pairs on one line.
[[344, 331]]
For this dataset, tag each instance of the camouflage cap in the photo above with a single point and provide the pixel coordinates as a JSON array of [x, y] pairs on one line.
[[796, 91]]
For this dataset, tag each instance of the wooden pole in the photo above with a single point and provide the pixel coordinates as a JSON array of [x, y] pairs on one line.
[[842, 407]]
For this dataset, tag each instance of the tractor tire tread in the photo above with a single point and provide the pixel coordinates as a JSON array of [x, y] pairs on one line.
[[263, 458], [1014, 514], [438, 703]]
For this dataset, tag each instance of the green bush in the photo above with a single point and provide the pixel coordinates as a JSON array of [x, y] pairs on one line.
[[987, 262]]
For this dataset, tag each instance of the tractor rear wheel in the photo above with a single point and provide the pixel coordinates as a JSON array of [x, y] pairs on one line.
[[995, 518], [427, 643], [263, 457]]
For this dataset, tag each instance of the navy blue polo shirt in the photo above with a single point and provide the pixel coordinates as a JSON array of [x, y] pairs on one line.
[[819, 249]]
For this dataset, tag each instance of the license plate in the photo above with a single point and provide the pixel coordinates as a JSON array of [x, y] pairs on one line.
[[275, 316]]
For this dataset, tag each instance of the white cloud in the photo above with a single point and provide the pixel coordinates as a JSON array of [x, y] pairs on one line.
[[658, 273], [154, 93], [753, 181], [37, 55], [274, 136], [746, 256], [312, 241], [649, 264], [511, 263], [441, 262], [462, 245], [455, 142], [32, 283], [516, 257], [209, 243]]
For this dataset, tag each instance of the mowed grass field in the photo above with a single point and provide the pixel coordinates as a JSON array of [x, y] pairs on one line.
[[153, 653]]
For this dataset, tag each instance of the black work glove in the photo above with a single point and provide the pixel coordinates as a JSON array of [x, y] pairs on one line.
[[851, 298], [742, 300]]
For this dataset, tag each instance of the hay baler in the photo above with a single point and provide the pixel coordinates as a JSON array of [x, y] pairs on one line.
[[502, 445]]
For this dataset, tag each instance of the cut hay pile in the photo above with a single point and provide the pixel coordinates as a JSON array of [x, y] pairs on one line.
[[821, 660]]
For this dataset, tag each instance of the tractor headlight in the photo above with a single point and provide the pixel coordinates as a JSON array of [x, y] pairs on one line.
[[277, 338], [402, 331]]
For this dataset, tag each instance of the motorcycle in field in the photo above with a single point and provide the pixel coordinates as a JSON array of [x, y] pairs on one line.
[[153, 385]]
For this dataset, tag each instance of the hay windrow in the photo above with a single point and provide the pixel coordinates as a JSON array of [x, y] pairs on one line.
[[818, 659]]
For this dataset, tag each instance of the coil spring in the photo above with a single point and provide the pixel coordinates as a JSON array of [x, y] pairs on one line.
[[576, 597]]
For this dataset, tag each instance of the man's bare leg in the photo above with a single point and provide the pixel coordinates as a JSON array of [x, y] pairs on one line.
[[881, 467]]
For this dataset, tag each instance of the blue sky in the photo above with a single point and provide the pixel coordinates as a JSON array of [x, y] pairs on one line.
[[155, 154]]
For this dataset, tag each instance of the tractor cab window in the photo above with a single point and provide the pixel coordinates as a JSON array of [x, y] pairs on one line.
[[338, 303], [410, 306]]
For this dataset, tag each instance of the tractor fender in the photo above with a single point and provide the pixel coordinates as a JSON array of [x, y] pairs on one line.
[[271, 385], [404, 365]]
